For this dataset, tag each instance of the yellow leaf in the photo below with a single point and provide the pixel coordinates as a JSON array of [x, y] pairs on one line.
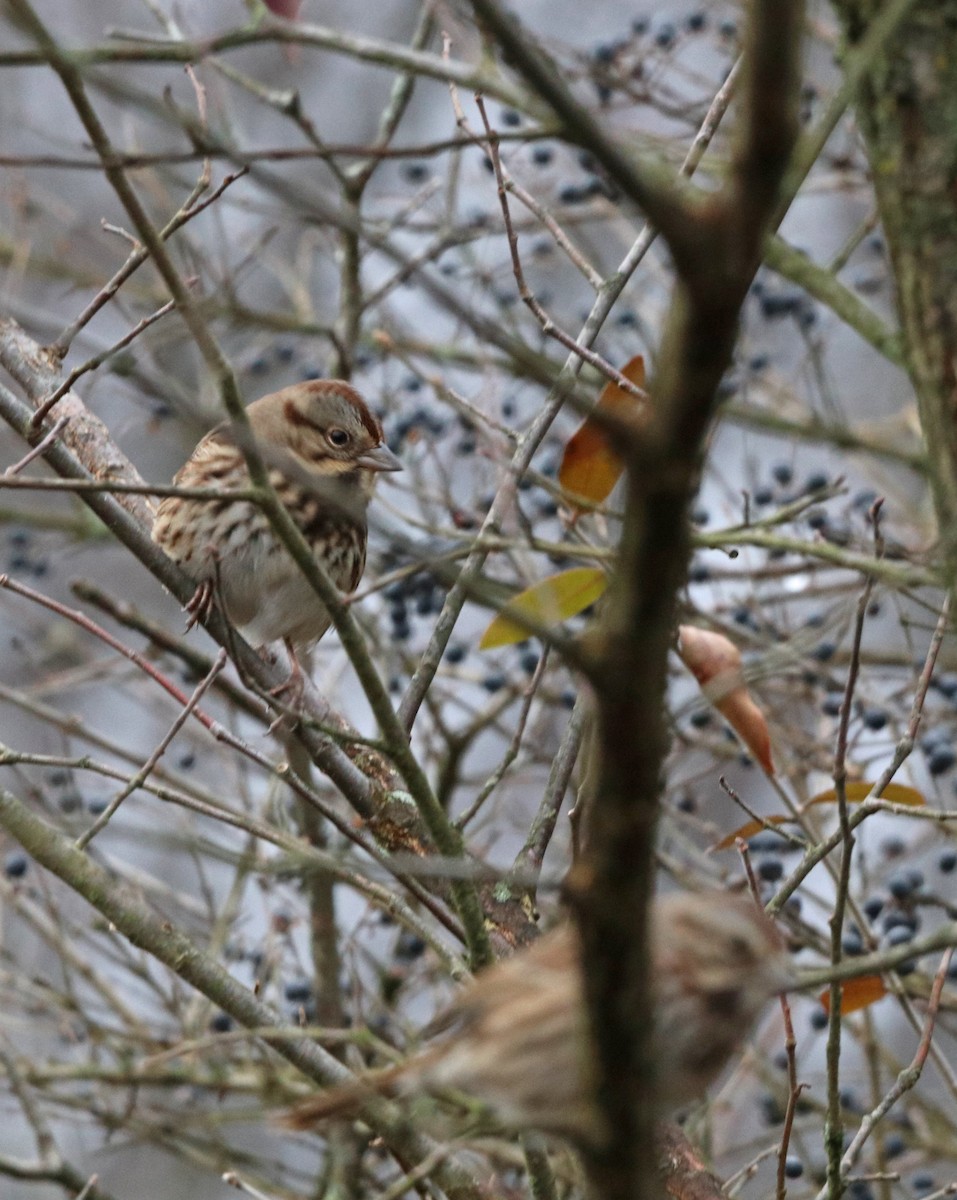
[[549, 602], [856, 993], [748, 830], [590, 467], [896, 793]]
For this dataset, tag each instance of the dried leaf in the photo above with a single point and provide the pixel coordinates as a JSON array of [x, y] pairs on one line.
[[590, 467], [749, 829], [856, 993], [549, 602], [897, 793], [715, 662]]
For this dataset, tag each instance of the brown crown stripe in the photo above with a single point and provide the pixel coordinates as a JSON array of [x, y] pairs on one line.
[[323, 387]]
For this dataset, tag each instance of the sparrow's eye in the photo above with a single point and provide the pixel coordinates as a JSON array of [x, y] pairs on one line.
[[338, 437]]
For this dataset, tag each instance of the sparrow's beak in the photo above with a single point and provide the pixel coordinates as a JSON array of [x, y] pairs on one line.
[[379, 459]]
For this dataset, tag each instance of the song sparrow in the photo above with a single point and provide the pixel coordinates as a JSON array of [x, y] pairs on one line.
[[517, 1040], [323, 450]]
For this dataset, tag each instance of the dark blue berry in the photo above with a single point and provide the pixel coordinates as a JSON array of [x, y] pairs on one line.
[[872, 907], [947, 861], [793, 1167], [897, 918], [903, 884], [770, 870], [819, 1018], [409, 946], [15, 865], [542, 155], [298, 991], [768, 842], [894, 1145], [221, 1023], [831, 705], [780, 304], [941, 760], [573, 193], [934, 738], [455, 653], [874, 718], [771, 1110], [783, 473], [494, 682], [946, 684]]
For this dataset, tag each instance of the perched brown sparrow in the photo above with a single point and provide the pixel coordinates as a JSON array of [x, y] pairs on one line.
[[517, 1036], [323, 450]]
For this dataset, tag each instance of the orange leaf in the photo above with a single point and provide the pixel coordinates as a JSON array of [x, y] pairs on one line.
[[748, 830], [856, 993], [548, 602], [896, 793], [715, 662], [590, 467]]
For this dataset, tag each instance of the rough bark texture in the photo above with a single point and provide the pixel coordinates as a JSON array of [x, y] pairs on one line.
[[907, 110]]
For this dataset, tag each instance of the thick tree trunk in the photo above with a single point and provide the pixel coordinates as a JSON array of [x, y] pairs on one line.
[[907, 110]]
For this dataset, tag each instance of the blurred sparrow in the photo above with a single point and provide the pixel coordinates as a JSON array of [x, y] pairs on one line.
[[323, 450], [517, 1037]]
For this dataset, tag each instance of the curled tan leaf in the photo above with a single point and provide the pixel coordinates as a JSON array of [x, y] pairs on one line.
[[715, 662]]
